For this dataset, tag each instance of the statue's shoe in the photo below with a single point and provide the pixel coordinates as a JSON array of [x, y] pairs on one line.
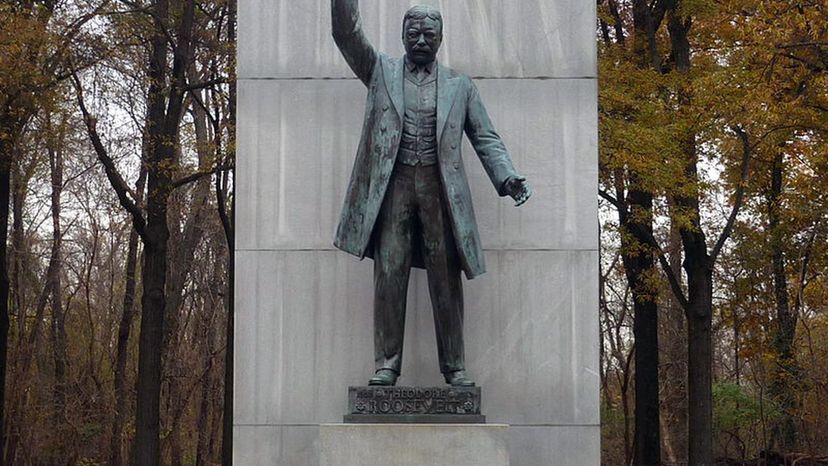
[[458, 379], [384, 377]]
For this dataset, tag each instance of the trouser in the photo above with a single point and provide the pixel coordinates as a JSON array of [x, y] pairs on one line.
[[414, 210]]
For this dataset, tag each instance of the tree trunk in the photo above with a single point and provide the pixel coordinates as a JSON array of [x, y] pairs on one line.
[[228, 222], [647, 432], [182, 258], [12, 120], [629, 447], [18, 402], [227, 423], [699, 356], [6, 151], [217, 402], [150, 346], [164, 110], [116, 456], [202, 427], [58, 334], [638, 265], [17, 292], [784, 373], [699, 270], [146, 450], [673, 349], [698, 266], [19, 271]]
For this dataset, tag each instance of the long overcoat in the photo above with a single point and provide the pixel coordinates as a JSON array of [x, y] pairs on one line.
[[459, 109]]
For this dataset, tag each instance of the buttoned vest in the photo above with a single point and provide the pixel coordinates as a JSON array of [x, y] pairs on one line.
[[418, 145]]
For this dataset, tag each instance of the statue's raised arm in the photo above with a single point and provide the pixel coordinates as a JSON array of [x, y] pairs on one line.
[[351, 40]]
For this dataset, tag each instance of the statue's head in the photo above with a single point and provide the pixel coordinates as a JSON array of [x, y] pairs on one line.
[[422, 33]]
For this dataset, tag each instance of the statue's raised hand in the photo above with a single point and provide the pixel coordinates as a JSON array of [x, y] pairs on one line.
[[518, 189]]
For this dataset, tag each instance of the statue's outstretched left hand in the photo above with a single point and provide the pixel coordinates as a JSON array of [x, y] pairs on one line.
[[518, 189]]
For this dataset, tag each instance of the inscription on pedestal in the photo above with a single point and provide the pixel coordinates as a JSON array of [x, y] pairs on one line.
[[414, 404]]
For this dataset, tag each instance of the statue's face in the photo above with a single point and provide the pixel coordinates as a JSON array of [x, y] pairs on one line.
[[422, 39]]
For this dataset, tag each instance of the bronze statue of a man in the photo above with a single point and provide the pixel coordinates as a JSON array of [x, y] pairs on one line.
[[408, 201]]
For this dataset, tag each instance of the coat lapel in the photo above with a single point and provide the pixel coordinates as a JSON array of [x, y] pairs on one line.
[[394, 84], [445, 98]]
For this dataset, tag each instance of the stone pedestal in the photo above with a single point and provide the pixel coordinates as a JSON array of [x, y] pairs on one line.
[[413, 445]]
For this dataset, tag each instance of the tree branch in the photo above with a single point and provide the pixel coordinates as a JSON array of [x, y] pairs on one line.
[[182, 56], [619, 23], [200, 174], [198, 100], [115, 179], [608, 197], [675, 285], [159, 22], [204, 84], [808, 65], [802, 44], [803, 271], [224, 216], [747, 150], [647, 237]]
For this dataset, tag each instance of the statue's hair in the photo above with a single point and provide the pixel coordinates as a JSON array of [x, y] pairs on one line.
[[423, 12]]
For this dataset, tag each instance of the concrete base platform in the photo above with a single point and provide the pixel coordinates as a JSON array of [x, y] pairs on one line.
[[413, 445]]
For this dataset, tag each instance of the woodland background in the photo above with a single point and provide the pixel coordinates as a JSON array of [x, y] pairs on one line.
[[116, 212]]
